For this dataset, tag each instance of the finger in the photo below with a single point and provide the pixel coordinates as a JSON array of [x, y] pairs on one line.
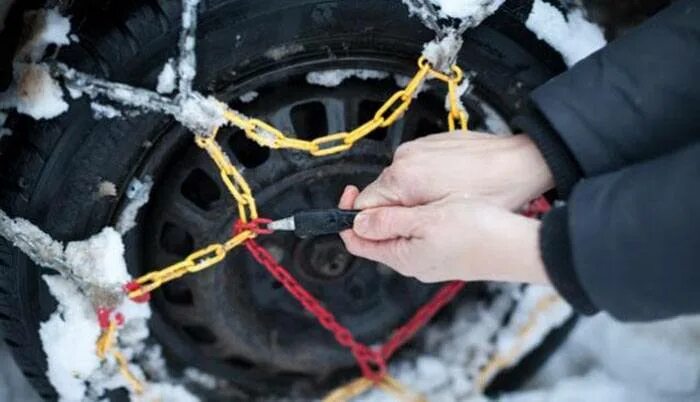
[[384, 252], [381, 192], [348, 198], [387, 223]]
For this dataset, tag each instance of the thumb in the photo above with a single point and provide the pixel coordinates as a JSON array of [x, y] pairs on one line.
[[387, 223]]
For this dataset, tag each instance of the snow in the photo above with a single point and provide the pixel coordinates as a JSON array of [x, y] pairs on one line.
[[167, 79], [604, 359], [187, 63], [99, 260], [33, 91], [103, 111], [202, 113], [106, 188], [442, 53], [333, 78], [280, 52], [138, 194], [454, 355], [50, 27], [166, 392], [572, 35], [4, 131], [493, 122], [248, 97], [69, 338], [474, 10]]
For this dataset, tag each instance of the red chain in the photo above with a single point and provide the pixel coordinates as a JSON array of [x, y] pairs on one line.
[[537, 207], [371, 363], [422, 316]]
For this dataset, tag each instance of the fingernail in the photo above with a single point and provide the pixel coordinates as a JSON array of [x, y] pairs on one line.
[[361, 224]]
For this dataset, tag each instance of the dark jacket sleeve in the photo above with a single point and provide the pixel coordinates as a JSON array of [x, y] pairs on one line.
[[635, 99], [633, 239]]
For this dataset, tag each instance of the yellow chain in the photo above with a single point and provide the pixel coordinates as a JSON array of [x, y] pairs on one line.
[[393, 109], [361, 385], [195, 262], [105, 344], [502, 361], [269, 136]]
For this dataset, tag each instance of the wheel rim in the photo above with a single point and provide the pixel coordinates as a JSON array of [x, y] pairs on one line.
[[234, 321]]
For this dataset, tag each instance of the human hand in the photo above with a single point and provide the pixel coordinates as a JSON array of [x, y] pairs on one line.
[[505, 171], [453, 239]]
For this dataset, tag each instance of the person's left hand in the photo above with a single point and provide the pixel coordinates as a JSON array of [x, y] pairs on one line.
[[453, 239]]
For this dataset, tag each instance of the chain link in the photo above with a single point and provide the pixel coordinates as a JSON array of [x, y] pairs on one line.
[[105, 345], [393, 109], [361, 385]]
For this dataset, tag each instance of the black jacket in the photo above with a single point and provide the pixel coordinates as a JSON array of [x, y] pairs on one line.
[[621, 132]]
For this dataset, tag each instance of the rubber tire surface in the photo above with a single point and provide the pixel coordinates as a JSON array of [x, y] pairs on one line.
[[50, 170]]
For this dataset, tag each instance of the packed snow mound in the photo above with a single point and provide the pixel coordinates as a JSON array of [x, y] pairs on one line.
[[573, 36], [99, 260], [69, 338], [476, 10]]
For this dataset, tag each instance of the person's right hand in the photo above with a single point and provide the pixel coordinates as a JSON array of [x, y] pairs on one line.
[[505, 171]]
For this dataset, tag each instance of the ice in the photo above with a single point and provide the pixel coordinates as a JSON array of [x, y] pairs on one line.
[[39, 246], [333, 78], [248, 97], [167, 79], [138, 194], [572, 35]]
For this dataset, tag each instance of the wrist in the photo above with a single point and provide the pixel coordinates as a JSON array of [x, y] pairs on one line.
[[513, 250], [532, 166]]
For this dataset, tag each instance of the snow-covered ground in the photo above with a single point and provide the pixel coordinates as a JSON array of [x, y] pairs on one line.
[[603, 360]]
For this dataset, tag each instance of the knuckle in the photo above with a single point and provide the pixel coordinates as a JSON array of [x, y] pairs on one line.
[[392, 177]]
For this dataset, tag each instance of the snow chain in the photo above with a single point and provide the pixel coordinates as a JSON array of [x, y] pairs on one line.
[[372, 362]]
